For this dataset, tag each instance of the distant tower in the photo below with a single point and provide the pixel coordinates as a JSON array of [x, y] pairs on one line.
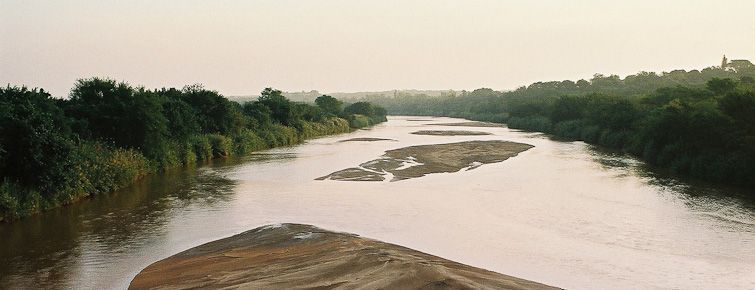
[[724, 62]]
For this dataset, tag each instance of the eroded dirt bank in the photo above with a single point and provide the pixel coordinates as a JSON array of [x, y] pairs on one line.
[[418, 161], [294, 256]]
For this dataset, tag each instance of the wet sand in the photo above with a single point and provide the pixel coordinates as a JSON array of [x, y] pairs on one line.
[[366, 140], [418, 161], [450, 133], [294, 256], [472, 124]]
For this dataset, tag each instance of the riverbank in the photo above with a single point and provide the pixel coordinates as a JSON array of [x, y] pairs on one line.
[[290, 256], [107, 135], [555, 214], [118, 168]]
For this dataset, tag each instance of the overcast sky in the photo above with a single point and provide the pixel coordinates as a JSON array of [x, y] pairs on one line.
[[240, 47]]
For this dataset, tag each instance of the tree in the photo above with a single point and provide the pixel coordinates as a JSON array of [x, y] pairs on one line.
[[116, 112], [740, 106], [361, 108], [282, 111], [329, 105], [611, 113], [568, 108], [259, 115], [215, 113], [721, 86], [34, 137], [309, 112], [181, 117]]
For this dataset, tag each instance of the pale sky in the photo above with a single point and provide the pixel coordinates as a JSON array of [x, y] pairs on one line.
[[240, 47]]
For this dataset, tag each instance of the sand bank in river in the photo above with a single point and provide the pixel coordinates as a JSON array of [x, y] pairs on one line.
[[293, 256], [366, 139], [471, 124], [450, 133], [417, 161]]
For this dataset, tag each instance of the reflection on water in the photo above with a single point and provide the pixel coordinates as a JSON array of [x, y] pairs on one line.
[[729, 204], [48, 250], [270, 156], [562, 213], [715, 201]]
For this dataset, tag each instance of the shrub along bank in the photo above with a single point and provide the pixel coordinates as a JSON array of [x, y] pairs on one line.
[[108, 134]]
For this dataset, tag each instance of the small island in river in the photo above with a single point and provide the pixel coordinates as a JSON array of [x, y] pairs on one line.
[[450, 133], [366, 139], [417, 161], [472, 124], [295, 256]]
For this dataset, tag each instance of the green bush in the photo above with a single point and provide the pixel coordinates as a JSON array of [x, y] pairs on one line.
[[358, 121], [222, 146], [9, 204], [202, 147], [290, 135], [328, 126], [101, 170], [570, 129], [127, 166], [186, 153], [535, 123], [305, 129], [590, 133], [165, 155], [246, 141]]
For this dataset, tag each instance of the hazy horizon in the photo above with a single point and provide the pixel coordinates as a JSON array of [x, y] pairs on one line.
[[238, 48]]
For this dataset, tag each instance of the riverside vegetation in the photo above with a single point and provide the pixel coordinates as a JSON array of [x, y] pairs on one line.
[[695, 123], [108, 134]]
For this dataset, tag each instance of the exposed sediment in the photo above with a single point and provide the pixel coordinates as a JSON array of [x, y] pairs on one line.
[[450, 133], [294, 256], [472, 124], [366, 139], [418, 161]]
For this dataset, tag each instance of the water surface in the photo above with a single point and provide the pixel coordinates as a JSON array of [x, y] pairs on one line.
[[561, 213]]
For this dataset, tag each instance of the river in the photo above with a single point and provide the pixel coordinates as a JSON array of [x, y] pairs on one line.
[[561, 213]]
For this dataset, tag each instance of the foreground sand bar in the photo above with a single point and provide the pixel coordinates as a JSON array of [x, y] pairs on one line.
[[292, 256]]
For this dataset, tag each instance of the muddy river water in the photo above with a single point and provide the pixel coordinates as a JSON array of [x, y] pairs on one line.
[[561, 213]]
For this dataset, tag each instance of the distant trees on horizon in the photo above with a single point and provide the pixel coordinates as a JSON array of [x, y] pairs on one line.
[[695, 123]]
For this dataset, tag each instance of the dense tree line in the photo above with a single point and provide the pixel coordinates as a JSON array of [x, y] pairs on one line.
[[108, 134], [487, 104], [696, 123]]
